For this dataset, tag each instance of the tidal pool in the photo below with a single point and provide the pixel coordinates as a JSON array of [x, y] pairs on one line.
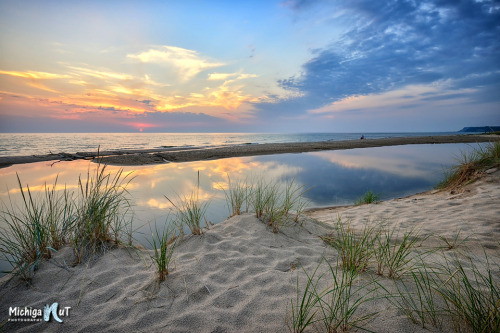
[[333, 178]]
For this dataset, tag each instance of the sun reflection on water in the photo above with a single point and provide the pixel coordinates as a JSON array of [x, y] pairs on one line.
[[334, 177]]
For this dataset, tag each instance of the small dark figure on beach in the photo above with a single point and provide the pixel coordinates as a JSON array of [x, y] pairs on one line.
[[362, 137]]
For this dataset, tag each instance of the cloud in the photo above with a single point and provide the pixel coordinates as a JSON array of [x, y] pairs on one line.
[[98, 90], [220, 76], [35, 75], [187, 63], [99, 74], [35, 79], [409, 96], [226, 76], [400, 44]]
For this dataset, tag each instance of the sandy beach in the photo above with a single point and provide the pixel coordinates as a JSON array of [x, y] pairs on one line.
[[166, 155], [239, 276], [267, 166]]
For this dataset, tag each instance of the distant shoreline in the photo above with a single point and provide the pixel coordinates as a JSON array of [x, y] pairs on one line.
[[189, 154]]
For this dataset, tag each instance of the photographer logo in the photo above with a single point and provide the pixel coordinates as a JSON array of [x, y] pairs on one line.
[[29, 314]]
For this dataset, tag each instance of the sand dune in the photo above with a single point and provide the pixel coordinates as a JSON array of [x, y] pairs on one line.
[[239, 276], [475, 210]]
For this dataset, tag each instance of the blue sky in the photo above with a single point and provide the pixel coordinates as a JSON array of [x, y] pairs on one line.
[[256, 66]]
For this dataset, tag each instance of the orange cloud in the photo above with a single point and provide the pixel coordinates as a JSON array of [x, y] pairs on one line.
[[83, 88], [100, 74], [35, 75], [34, 79]]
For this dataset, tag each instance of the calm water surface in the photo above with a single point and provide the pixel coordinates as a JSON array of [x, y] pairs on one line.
[[20, 144], [334, 177]]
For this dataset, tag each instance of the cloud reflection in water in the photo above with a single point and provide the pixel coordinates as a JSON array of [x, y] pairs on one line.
[[335, 177]]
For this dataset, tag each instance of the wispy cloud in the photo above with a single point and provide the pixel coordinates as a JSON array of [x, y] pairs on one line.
[[396, 45], [97, 73], [36, 79], [399, 98], [220, 76], [34, 75], [187, 63], [226, 76]]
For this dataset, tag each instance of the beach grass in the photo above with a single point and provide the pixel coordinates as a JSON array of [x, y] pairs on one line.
[[455, 288], [392, 253], [274, 211], [303, 310], [335, 306], [396, 253], [293, 200], [93, 218], [355, 250], [340, 302], [275, 203], [163, 243], [454, 241], [469, 164], [472, 293], [40, 225], [417, 298], [237, 196], [190, 210], [458, 292], [101, 211], [367, 198], [258, 197]]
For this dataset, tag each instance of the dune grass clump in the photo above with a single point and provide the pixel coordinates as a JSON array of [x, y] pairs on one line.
[[454, 241], [264, 198], [163, 243], [237, 196], [190, 211], [471, 293], [90, 220], [101, 211], [355, 250], [459, 293], [334, 307], [293, 199], [41, 224], [367, 198], [273, 210], [470, 164], [394, 253], [340, 302], [276, 204], [303, 310], [417, 297]]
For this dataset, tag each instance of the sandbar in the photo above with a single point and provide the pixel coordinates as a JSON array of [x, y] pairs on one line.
[[188, 154]]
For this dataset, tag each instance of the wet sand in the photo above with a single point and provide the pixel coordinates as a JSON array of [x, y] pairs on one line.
[[166, 155]]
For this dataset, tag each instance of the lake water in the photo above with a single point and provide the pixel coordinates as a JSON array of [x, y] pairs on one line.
[[334, 178], [21, 144]]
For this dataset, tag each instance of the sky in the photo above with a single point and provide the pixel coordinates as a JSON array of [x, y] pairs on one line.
[[249, 66]]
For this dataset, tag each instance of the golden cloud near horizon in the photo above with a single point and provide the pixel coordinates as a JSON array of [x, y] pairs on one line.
[[91, 90]]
